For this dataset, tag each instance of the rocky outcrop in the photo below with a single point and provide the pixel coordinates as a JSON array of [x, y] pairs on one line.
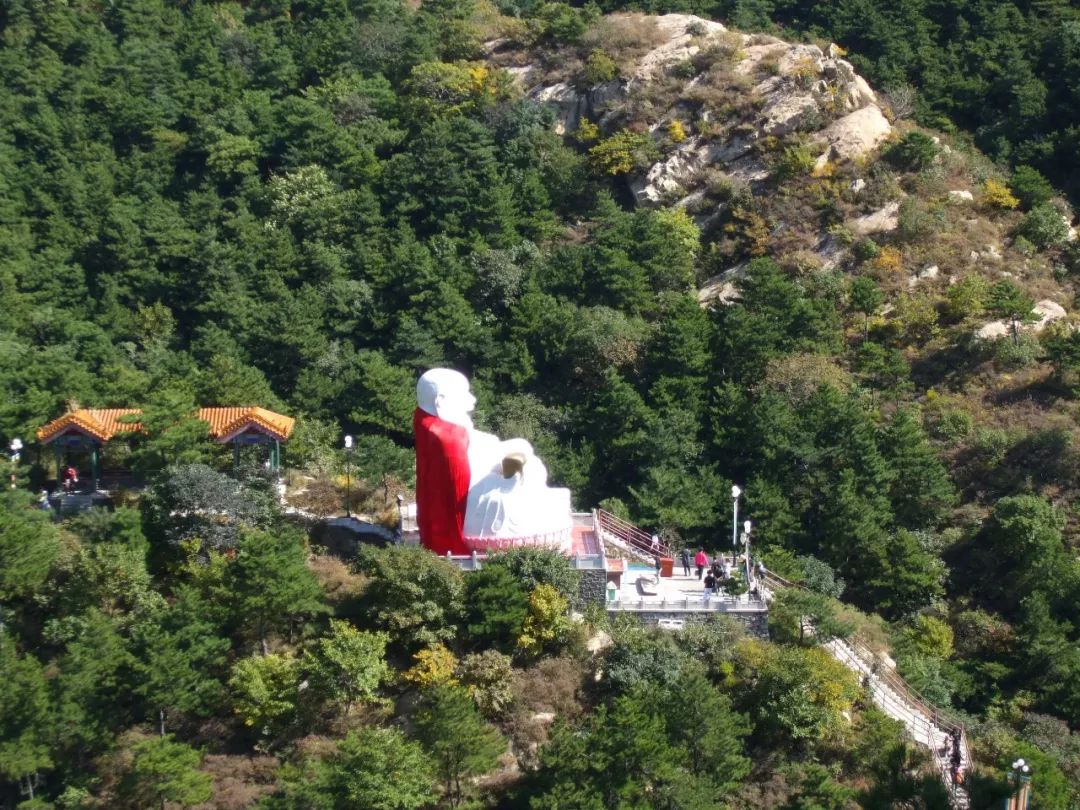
[[1046, 311], [856, 133], [880, 221], [571, 105], [799, 88]]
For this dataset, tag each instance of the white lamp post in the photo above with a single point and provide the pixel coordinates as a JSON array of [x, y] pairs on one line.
[[746, 549], [735, 493], [16, 446], [1020, 779], [348, 475]]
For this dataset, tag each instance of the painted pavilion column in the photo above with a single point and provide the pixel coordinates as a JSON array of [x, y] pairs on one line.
[[94, 465]]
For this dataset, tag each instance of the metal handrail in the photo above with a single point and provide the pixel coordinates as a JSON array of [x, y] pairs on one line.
[[629, 533], [931, 715], [887, 674]]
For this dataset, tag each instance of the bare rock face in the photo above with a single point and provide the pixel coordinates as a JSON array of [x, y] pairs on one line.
[[880, 221], [799, 87], [571, 105], [856, 133], [1047, 311], [681, 31]]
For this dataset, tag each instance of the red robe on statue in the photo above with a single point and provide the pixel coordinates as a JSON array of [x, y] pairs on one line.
[[442, 482]]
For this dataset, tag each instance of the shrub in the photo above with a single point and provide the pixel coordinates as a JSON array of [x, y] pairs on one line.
[[915, 223], [623, 152], [996, 194], [1031, 187], [586, 131], [599, 68], [435, 666], [917, 318], [676, 131], [533, 567], [865, 249], [966, 298], [684, 69], [952, 426], [842, 234], [914, 152], [489, 679], [795, 160], [889, 260], [547, 621], [1022, 351], [1043, 226]]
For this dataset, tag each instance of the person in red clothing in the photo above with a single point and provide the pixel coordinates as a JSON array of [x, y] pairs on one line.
[[701, 560], [70, 478]]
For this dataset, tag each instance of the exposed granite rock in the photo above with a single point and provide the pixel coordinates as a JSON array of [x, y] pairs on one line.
[[806, 86], [880, 221]]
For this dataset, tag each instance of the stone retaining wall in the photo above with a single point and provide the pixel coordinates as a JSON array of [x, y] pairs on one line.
[[592, 588], [756, 621]]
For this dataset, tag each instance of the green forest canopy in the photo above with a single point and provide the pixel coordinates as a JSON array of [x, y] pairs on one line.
[[304, 204]]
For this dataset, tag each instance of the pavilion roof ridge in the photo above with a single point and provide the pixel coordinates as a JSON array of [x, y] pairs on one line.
[[224, 421]]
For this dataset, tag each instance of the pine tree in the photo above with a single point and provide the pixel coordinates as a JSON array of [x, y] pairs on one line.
[[164, 771], [921, 489], [271, 585], [461, 742]]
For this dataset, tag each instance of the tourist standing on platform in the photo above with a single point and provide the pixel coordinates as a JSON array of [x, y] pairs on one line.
[[701, 559], [684, 558]]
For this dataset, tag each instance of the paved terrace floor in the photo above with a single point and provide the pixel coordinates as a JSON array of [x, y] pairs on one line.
[[675, 592]]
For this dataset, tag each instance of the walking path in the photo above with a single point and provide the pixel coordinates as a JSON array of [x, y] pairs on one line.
[[924, 724]]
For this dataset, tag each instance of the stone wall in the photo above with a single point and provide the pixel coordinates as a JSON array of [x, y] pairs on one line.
[[755, 621], [592, 588]]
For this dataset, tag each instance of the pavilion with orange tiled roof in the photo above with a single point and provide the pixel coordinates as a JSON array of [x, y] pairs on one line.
[[92, 428]]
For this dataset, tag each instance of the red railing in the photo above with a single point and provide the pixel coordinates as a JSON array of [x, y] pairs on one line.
[[630, 534]]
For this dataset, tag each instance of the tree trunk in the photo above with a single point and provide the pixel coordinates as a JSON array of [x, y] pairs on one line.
[[161, 720], [265, 647]]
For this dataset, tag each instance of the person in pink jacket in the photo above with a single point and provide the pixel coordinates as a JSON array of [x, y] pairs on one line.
[[701, 560]]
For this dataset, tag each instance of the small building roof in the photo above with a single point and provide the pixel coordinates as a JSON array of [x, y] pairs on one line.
[[99, 423], [225, 423]]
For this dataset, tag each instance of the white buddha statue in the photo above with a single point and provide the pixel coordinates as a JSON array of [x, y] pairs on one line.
[[508, 502]]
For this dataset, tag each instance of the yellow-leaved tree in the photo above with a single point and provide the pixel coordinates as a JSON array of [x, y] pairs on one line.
[[546, 622]]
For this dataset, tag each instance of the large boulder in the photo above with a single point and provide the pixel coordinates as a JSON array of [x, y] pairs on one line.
[[855, 134]]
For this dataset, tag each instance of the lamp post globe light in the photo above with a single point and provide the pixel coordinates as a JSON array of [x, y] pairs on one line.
[[1020, 781], [348, 475]]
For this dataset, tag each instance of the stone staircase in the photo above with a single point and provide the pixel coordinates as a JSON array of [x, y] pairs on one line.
[[925, 725], [627, 539]]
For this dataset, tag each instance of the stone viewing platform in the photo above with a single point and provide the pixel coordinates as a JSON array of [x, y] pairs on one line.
[[623, 582]]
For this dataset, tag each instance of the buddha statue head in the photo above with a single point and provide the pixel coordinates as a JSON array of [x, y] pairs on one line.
[[445, 393]]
